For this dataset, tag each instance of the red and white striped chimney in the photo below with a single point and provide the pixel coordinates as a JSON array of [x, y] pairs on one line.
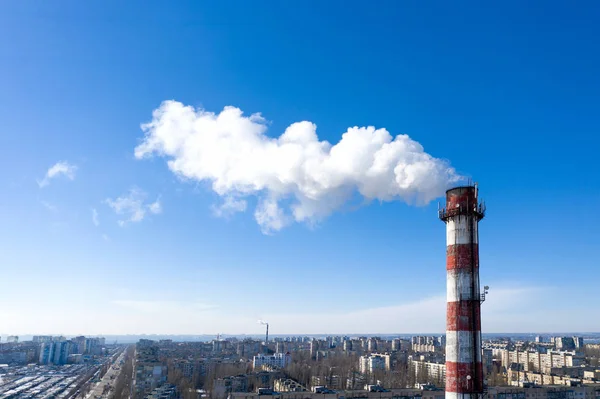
[[464, 371]]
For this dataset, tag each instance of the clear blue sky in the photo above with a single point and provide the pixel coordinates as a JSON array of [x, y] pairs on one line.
[[508, 94]]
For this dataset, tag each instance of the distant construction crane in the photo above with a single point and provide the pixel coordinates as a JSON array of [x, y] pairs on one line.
[[264, 323]]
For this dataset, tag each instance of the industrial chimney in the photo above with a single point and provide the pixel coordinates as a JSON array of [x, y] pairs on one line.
[[464, 371], [264, 323]]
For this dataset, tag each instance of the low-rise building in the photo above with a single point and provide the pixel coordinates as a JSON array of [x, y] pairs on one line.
[[223, 386], [167, 391], [355, 380], [288, 385], [330, 381], [550, 392], [592, 375], [19, 355]]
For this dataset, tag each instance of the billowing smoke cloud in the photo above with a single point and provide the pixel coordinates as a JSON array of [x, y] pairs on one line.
[[294, 176]]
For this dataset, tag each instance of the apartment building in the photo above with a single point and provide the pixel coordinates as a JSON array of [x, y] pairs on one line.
[[376, 361], [280, 360]]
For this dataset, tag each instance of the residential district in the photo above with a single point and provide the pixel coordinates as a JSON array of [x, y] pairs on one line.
[[334, 367]]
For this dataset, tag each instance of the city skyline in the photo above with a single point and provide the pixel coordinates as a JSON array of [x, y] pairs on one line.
[[410, 366], [138, 201]]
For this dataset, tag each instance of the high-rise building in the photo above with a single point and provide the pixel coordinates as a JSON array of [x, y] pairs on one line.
[[373, 362], [488, 360], [79, 344], [93, 346], [42, 338], [564, 343], [372, 345], [347, 345], [62, 350], [280, 360], [442, 340], [46, 353], [280, 347], [314, 348], [55, 352], [428, 371]]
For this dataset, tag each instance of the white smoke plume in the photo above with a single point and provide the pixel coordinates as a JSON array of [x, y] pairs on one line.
[[295, 176]]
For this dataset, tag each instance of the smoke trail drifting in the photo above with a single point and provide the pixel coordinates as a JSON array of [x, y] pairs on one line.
[[295, 176]]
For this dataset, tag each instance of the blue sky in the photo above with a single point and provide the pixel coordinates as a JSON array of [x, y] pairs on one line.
[[506, 94]]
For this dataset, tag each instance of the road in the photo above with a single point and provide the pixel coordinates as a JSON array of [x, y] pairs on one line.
[[105, 387]]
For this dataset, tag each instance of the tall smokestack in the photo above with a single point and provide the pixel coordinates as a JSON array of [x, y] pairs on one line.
[[264, 323], [464, 371]]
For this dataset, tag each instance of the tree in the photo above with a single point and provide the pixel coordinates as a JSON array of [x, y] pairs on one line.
[[125, 378], [496, 377]]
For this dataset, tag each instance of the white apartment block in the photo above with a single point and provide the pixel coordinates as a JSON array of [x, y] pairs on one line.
[[280, 360], [373, 362], [433, 372], [540, 362]]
